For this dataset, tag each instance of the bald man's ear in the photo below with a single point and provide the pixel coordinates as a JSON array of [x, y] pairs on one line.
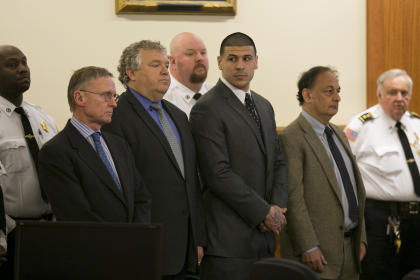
[[306, 94], [171, 60]]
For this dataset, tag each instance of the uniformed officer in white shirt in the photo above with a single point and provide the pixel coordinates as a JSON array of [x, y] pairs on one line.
[[188, 66], [18, 173], [392, 207]]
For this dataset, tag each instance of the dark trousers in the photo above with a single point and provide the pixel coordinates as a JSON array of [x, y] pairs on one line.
[[6, 270], [382, 260]]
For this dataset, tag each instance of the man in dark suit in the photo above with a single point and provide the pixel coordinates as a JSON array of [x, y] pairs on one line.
[[159, 136], [241, 165], [88, 174], [325, 227]]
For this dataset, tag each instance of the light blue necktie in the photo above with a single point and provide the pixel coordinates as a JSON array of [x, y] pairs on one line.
[[99, 149]]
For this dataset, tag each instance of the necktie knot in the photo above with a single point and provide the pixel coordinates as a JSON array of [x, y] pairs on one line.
[[20, 111], [398, 125], [328, 131], [155, 107], [96, 137], [197, 96]]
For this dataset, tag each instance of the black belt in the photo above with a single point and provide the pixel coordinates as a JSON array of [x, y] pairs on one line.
[[402, 207], [47, 217]]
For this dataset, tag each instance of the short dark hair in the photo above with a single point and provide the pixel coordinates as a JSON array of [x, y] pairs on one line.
[[80, 77], [237, 39], [308, 78]]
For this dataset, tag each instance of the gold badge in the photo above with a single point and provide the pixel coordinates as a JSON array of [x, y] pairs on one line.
[[44, 126]]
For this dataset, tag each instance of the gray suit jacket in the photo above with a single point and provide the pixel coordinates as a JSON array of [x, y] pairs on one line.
[[243, 171], [315, 214]]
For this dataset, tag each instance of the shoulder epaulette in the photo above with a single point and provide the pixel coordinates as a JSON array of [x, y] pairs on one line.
[[414, 115], [366, 117]]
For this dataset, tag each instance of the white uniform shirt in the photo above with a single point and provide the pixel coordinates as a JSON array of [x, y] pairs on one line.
[[374, 140], [18, 175], [182, 97]]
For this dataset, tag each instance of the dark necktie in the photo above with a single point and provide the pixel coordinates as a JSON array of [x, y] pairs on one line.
[[345, 177], [29, 135], [250, 106], [170, 136], [30, 141], [2, 213], [410, 158], [101, 153], [197, 96]]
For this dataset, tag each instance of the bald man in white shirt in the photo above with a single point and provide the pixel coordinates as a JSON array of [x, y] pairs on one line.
[[189, 65]]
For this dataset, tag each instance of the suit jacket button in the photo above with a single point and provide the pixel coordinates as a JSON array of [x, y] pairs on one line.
[[341, 227]]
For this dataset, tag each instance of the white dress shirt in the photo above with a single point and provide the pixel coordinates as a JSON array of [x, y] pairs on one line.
[[182, 97]]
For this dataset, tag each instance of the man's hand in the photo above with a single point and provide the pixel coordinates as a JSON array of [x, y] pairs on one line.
[[362, 251], [275, 219], [2, 255], [263, 228], [200, 254], [315, 260]]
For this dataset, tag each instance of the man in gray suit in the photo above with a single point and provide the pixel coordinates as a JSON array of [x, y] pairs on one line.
[[242, 166], [326, 194]]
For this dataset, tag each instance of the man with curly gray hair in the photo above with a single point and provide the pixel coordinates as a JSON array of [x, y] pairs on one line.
[[159, 136]]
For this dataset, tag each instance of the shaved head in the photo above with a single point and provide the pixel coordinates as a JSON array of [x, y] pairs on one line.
[[188, 60]]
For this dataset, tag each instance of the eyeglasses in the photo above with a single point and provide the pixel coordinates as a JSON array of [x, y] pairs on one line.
[[106, 96]]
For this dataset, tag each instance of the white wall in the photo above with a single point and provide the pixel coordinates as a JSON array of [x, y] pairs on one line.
[[291, 36]]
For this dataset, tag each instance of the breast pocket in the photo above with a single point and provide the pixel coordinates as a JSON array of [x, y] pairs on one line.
[[13, 156], [388, 159]]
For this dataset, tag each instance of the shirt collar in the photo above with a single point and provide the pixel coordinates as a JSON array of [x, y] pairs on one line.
[[8, 107], [143, 100], [240, 94], [185, 92], [85, 130], [318, 127]]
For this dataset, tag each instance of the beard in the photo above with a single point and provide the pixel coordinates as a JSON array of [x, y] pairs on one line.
[[200, 77]]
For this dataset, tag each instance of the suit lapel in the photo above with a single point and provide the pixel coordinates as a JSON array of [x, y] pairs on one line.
[[153, 126], [88, 155], [240, 109], [319, 151]]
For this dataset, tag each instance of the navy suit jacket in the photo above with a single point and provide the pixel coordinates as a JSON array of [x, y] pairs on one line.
[[79, 186]]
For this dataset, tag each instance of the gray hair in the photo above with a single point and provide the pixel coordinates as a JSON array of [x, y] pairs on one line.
[[393, 73], [80, 77], [130, 58]]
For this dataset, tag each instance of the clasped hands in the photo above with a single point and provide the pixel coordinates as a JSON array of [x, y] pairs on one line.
[[274, 221]]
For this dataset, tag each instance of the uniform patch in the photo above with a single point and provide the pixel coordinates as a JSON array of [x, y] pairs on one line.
[[414, 115], [366, 117], [351, 134]]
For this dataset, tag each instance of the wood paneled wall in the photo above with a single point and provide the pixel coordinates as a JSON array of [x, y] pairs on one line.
[[393, 41]]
